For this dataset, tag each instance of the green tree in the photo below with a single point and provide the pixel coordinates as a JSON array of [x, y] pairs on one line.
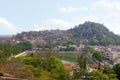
[[58, 41], [116, 68], [89, 50], [97, 75], [82, 62], [110, 73], [1, 52], [45, 75], [48, 45], [2, 56], [97, 55], [51, 66], [55, 66], [72, 42], [107, 70], [94, 42], [26, 45]]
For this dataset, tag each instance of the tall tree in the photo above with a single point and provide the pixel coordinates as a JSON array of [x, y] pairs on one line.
[[56, 68], [97, 75], [82, 73], [98, 55], [110, 73], [82, 62], [116, 68]]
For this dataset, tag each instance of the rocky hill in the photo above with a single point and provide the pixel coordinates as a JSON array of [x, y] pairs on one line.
[[95, 34], [87, 33], [5, 37]]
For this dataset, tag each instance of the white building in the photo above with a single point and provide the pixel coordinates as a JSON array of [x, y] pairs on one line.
[[114, 55]]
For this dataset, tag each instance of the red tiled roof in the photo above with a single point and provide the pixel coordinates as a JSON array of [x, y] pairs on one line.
[[95, 66], [68, 67]]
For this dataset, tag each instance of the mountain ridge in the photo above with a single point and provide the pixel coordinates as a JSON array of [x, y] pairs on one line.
[[89, 32]]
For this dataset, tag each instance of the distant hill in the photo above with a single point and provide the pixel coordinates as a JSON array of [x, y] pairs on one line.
[[5, 37], [95, 34], [89, 33]]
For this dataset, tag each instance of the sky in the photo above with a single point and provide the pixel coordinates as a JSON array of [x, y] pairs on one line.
[[33, 15]]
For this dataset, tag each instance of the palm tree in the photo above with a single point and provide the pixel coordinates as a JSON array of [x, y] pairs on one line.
[[82, 62]]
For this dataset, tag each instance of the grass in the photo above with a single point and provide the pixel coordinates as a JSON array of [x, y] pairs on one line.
[[69, 57]]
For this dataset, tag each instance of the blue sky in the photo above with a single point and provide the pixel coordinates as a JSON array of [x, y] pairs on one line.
[[34, 15]]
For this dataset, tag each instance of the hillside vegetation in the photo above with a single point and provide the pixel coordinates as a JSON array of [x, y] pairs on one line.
[[95, 34], [89, 33]]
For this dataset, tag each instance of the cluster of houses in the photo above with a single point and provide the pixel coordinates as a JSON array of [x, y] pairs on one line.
[[72, 67], [111, 56], [110, 53]]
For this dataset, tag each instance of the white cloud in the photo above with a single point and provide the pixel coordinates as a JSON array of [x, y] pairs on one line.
[[53, 24], [59, 24], [36, 28], [107, 9], [114, 27], [104, 11], [81, 20], [68, 9], [83, 9], [71, 9], [107, 5], [6, 27], [109, 13]]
